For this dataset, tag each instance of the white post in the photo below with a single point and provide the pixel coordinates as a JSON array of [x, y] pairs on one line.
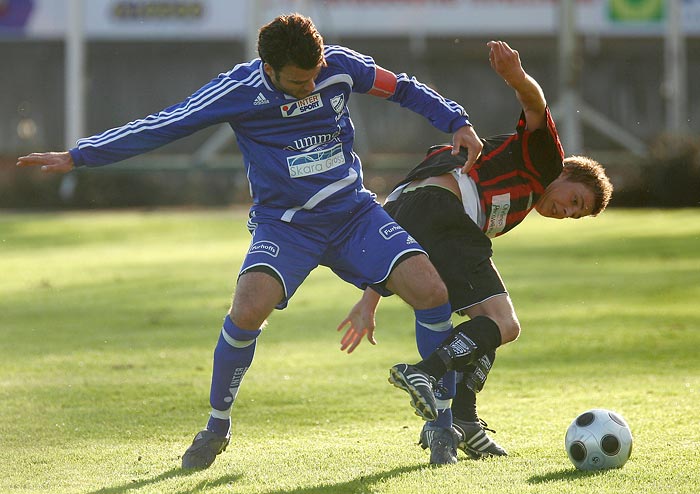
[[676, 69], [75, 88], [75, 73], [572, 135], [255, 16]]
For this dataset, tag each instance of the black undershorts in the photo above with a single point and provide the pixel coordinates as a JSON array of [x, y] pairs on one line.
[[457, 247]]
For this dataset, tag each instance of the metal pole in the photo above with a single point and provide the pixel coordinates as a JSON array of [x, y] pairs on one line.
[[75, 73], [255, 9], [572, 136], [223, 135], [75, 88], [676, 69]]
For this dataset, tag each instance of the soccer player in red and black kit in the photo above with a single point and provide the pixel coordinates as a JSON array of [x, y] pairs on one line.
[[453, 213]]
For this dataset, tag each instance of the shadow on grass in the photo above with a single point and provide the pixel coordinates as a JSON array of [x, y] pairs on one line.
[[360, 485], [564, 474], [170, 474]]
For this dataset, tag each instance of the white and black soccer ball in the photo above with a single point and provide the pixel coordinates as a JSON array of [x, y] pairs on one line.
[[598, 439]]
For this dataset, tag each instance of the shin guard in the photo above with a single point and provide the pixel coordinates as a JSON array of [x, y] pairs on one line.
[[233, 355], [470, 341]]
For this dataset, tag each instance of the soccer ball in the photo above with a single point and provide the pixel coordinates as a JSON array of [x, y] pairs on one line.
[[598, 439]]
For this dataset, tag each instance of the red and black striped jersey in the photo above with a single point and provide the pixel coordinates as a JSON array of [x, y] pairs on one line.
[[511, 174]]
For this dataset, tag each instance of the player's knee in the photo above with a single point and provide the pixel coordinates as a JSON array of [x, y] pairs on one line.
[[246, 320], [417, 282], [507, 322], [234, 338], [437, 294], [256, 295], [509, 328], [430, 297]]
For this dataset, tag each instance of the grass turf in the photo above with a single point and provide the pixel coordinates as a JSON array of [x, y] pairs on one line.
[[108, 322]]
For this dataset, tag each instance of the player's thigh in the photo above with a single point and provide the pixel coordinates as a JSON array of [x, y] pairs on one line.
[[418, 283], [366, 251], [280, 253], [257, 294]]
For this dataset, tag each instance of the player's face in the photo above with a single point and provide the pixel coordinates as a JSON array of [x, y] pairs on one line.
[[566, 199], [293, 80]]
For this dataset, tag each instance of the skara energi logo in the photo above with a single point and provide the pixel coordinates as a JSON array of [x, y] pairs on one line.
[[264, 247]]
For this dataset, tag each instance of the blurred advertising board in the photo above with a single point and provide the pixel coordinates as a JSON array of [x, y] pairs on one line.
[[234, 19]]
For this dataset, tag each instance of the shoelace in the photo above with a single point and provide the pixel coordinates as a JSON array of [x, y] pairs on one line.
[[485, 426]]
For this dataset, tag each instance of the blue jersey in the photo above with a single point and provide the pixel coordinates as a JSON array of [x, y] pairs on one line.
[[298, 154]]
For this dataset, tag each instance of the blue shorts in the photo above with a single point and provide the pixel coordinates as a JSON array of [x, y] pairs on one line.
[[362, 249]]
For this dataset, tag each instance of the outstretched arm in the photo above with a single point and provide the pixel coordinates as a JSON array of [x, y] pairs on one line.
[[444, 114], [506, 62], [360, 321]]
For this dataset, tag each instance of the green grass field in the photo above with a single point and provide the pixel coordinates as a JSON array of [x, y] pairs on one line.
[[108, 322]]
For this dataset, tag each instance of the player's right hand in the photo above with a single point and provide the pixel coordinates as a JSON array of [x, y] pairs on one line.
[[466, 137], [49, 162], [359, 323]]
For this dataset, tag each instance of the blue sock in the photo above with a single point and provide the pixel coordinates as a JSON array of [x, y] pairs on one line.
[[444, 418], [433, 326], [447, 390], [232, 356]]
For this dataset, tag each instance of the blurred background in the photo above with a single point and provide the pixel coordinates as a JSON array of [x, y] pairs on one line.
[[620, 75]]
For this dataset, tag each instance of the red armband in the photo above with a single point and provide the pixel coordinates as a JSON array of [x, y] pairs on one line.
[[384, 83]]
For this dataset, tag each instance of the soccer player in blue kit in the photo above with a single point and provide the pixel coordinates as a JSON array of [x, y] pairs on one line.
[[289, 112]]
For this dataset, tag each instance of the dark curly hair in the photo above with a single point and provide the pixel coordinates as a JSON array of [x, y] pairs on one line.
[[591, 174], [290, 39]]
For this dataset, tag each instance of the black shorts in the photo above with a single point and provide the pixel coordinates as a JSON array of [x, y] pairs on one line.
[[457, 247]]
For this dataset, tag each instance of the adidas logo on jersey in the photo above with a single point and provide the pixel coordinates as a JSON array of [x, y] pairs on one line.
[[260, 99]]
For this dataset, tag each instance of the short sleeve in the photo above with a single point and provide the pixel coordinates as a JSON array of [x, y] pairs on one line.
[[542, 151]]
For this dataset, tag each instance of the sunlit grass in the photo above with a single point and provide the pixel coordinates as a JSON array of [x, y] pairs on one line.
[[108, 322]]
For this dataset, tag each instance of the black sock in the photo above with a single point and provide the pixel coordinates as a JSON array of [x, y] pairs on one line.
[[469, 341], [464, 404], [433, 365]]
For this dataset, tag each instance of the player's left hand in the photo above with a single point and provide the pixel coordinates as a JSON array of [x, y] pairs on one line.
[[49, 162], [506, 62], [359, 322], [466, 137]]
